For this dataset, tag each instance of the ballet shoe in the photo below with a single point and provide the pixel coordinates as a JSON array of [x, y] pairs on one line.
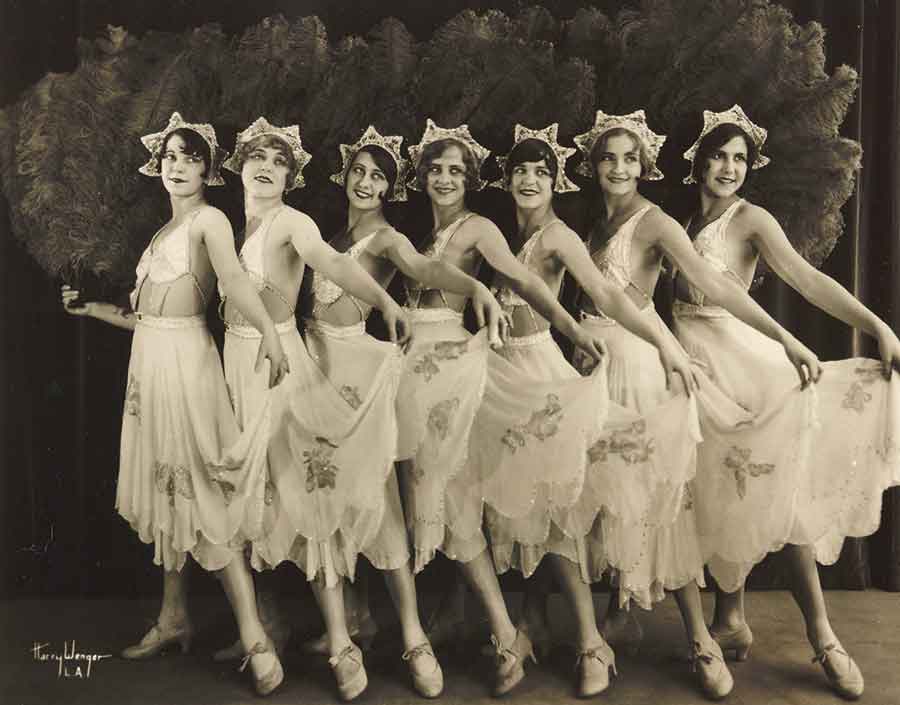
[[510, 662], [264, 684], [623, 635], [362, 634], [158, 639], [594, 666], [841, 671], [737, 641], [279, 636], [427, 676], [709, 665], [349, 672]]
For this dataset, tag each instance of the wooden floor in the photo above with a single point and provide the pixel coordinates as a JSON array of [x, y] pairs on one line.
[[778, 672]]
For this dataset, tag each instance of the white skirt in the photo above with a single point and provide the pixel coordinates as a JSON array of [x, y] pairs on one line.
[[366, 372], [441, 389], [653, 547], [812, 467], [529, 447], [177, 421]]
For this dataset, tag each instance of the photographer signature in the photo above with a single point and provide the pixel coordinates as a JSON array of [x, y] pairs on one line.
[[70, 663]]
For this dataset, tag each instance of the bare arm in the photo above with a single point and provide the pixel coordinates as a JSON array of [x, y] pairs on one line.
[[117, 316], [437, 274], [347, 273], [494, 248], [818, 288], [615, 303], [236, 285]]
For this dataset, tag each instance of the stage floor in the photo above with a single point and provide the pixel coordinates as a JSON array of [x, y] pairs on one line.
[[778, 672]]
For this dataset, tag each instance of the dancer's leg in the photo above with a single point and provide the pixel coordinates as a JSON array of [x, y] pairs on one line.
[[403, 593], [481, 577], [706, 655], [238, 585], [807, 591]]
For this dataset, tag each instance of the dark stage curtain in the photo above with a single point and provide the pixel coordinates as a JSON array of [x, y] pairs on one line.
[[63, 379]]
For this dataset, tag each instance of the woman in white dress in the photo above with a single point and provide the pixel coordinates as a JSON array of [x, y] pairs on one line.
[[822, 486], [177, 419]]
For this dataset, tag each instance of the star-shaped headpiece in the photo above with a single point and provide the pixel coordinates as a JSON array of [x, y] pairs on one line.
[[154, 143], [290, 135], [390, 144], [635, 123], [546, 135], [461, 134], [735, 115]]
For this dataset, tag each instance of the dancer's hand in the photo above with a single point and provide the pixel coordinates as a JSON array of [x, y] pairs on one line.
[[399, 329], [804, 361], [593, 346], [488, 311], [270, 349], [69, 297], [676, 362], [889, 348]]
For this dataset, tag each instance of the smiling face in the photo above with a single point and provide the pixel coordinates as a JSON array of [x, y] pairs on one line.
[[267, 167], [617, 160], [366, 184], [183, 170], [531, 184], [725, 169], [445, 177]]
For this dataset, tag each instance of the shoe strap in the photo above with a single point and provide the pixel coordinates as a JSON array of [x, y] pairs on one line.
[[423, 649], [598, 652], [698, 654], [822, 656], [258, 648], [348, 652], [504, 653]]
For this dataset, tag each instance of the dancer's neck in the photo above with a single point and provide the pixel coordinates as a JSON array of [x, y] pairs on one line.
[[445, 215], [256, 207], [531, 220]]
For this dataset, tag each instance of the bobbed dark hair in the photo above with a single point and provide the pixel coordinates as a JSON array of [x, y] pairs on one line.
[[194, 145], [532, 150], [384, 161], [714, 140]]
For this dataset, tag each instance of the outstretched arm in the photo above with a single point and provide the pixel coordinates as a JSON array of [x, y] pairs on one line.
[[817, 287], [437, 274], [724, 292], [347, 273], [616, 304], [219, 241], [493, 247], [117, 316]]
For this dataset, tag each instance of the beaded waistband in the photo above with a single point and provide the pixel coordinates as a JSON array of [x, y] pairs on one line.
[[332, 331], [527, 340], [602, 319], [250, 332], [433, 315], [688, 310], [145, 319]]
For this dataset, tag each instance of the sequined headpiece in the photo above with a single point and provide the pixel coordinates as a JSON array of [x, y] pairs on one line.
[[635, 123], [390, 144], [735, 115], [461, 134], [154, 143], [547, 135], [290, 135]]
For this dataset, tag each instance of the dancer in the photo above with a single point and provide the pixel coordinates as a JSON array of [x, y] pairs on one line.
[[556, 426], [444, 378], [619, 151], [177, 418], [823, 486]]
